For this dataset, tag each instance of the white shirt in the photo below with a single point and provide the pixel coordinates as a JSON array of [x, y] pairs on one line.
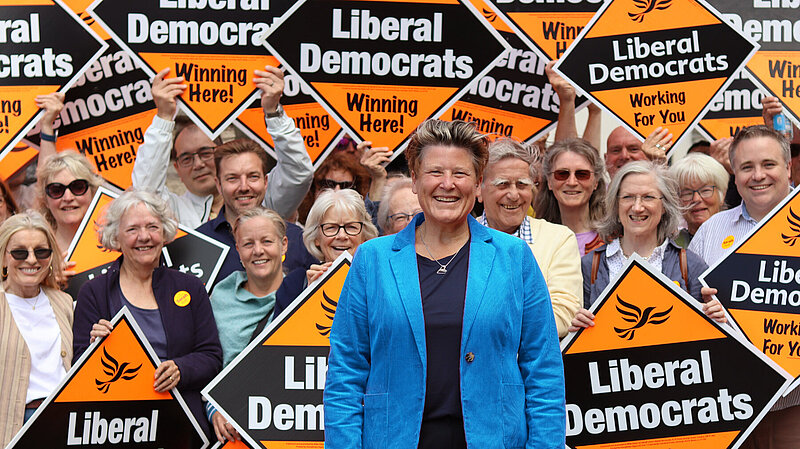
[[41, 333], [616, 259]]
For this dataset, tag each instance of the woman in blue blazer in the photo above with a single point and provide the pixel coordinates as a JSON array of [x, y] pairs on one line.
[[444, 334]]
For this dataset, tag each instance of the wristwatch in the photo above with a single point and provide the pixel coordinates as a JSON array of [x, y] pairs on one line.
[[278, 112]]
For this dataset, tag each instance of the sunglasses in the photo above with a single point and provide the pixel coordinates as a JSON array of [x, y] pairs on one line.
[[331, 184], [39, 253], [563, 175], [56, 190]]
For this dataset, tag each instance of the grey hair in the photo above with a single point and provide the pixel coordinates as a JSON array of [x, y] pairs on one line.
[[33, 220], [389, 191], [700, 168], [269, 214], [347, 200], [69, 160], [610, 226], [108, 228], [505, 147], [755, 131]]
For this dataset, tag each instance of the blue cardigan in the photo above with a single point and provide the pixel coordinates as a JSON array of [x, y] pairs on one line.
[[192, 340], [512, 379]]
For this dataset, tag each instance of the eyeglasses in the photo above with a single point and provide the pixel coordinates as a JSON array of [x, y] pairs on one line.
[[402, 216], [56, 190], [563, 175], [704, 192], [332, 229], [647, 200], [39, 253], [331, 184], [187, 159]]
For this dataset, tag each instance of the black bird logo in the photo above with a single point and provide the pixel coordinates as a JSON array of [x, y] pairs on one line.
[[114, 371], [329, 307], [633, 314], [647, 6], [489, 14], [794, 225], [89, 20]]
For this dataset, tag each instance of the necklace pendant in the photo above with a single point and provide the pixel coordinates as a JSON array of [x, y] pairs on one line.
[[441, 270]]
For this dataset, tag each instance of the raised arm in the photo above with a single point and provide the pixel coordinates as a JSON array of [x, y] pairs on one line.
[[52, 105]]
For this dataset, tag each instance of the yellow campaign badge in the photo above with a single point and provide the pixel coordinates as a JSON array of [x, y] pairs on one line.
[[182, 298]]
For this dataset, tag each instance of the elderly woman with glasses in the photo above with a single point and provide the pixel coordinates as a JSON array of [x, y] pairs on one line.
[[398, 206], [337, 222], [66, 186], [702, 184], [35, 320], [643, 216], [183, 333]]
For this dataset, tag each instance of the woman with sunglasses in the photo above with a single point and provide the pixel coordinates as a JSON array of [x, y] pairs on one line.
[[573, 194], [702, 184], [66, 184], [339, 171], [643, 216], [337, 222], [35, 320]]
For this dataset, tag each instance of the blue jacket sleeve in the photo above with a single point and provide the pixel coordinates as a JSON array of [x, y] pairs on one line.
[[540, 362], [349, 361]]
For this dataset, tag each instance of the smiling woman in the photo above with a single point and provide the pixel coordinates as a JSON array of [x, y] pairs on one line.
[[181, 331], [35, 318]]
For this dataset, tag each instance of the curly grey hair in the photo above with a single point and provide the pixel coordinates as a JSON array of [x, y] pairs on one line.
[[108, 228], [610, 226], [347, 200]]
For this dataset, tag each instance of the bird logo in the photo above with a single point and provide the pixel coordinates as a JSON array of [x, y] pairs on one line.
[[794, 225], [647, 6], [329, 308], [639, 318], [489, 15], [115, 371]]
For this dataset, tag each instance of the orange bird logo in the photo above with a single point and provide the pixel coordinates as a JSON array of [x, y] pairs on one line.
[[638, 317], [646, 6]]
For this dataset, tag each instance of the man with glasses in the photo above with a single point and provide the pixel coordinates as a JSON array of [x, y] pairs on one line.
[[761, 162], [506, 193], [193, 154]]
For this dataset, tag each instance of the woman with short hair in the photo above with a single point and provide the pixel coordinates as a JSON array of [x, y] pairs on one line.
[[182, 334], [702, 183], [398, 205], [35, 320]]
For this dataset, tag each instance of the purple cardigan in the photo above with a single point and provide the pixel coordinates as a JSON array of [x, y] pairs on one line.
[[192, 339]]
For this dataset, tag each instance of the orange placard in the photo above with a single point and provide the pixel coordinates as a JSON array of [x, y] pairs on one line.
[[16, 159], [656, 63], [655, 371], [107, 398], [285, 364], [46, 62]]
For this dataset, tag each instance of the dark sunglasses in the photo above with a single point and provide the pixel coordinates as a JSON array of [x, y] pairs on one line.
[[331, 184], [563, 175], [39, 253], [56, 190]]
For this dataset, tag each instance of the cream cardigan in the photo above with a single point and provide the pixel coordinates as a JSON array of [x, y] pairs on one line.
[[16, 360], [556, 251]]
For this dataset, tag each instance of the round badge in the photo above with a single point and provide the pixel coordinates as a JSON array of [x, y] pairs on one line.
[[728, 242], [182, 298]]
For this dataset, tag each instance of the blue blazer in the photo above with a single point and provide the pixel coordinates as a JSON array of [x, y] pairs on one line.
[[512, 382]]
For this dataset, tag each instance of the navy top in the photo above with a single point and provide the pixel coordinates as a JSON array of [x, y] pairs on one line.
[[443, 308], [296, 255], [149, 320]]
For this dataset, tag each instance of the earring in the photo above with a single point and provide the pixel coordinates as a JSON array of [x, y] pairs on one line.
[[5, 272]]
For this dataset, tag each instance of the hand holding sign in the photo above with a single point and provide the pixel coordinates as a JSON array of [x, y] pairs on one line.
[[165, 94], [270, 81], [52, 105]]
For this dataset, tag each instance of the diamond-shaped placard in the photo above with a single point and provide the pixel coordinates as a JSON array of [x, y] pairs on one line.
[[654, 371], [738, 106], [656, 62], [215, 46], [36, 59], [284, 367], [547, 27], [776, 65], [383, 67], [107, 399]]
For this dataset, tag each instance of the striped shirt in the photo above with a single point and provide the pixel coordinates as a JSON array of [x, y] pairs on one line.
[[523, 231], [714, 240]]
